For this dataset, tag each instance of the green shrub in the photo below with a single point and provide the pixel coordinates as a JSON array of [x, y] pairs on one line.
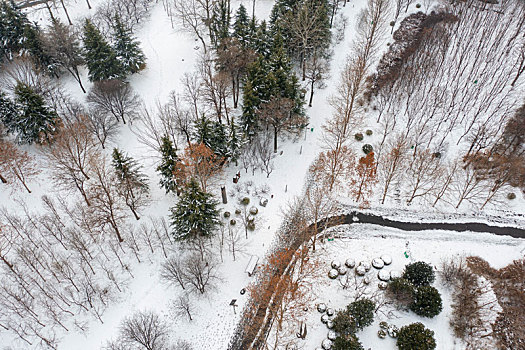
[[369, 132], [402, 291], [511, 196], [245, 201], [350, 343], [362, 311], [237, 211], [226, 214], [392, 23], [344, 323], [415, 337], [418, 5], [251, 225], [419, 273], [233, 222], [359, 136], [427, 302], [367, 148]]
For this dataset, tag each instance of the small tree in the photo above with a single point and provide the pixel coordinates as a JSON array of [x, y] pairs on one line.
[[167, 165], [419, 273], [362, 311], [427, 302], [198, 163], [144, 329], [133, 183], [344, 324], [364, 178], [195, 214], [115, 97], [16, 164], [35, 121], [127, 48], [415, 336], [101, 59]]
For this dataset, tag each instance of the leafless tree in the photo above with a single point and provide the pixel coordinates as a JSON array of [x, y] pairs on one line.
[[16, 165], [200, 275], [183, 307], [264, 151], [115, 97], [189, 14], [102, 125], [172, 271], [144, 330], [316, 71]]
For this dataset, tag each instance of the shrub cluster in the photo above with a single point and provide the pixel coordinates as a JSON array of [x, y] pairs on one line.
[[354, 318], [415, 337]]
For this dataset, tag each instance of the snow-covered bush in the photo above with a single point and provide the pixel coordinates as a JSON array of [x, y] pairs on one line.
[[415, 336], [402, 291], [367, 148], [351, 343], [427, 302], [419, 273]]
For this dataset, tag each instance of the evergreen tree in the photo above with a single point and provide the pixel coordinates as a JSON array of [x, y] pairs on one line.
[[127, 48], [221, 21], [258, 88], [213, 135], [167, 165], [427, 302], [133, 183], [12, 24], [241, 26], [262, 43], [195, 214], [8, 112], [419, 273], [34, 44], [362, 312], [234, 140], [350, 343], [415, 337], [35, 122], [101, 59]]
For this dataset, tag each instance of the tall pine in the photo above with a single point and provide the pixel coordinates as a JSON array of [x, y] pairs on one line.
[[167, 165], [12, 24], [213, 135], [34, 44], [8, 112], [127, 48], [132, 182], [35, 121], [241, 26], [101, 59], [195, 214]]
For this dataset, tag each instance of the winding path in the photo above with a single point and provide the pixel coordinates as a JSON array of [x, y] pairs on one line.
[[242, 340]]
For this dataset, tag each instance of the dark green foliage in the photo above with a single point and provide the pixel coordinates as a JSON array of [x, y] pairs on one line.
[[127, 49], [129, 171], [415, 337], [402, 291], [241, 26], [355, 317], [167, 165], [12, 24], [427, 302], [359, 136], [195, 214], [367, 148], [34, 121], [511, 195], [34, 44], [8, 112], [350, 343], [369, 132], [234, 140], [213, 135], [221, 19], [419, 273], [101, 59], [362, 311]]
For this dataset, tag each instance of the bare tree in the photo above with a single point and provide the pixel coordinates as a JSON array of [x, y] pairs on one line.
[[102, 125], [316, 71], [145, 330], [183, 307], [16, 164], [190, 14], [201, 275], [115, 97], [264, 151], [172, 271]]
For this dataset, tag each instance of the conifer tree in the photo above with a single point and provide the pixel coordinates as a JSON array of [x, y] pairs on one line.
[[8, 112], [12, 24], [221, 21], [133, 183], [262, 43], [213, 135], [168, 164], [195, 214], [234, 140], [127, 48], [101, 59], [34, 122], [34, 43], [241, 26]]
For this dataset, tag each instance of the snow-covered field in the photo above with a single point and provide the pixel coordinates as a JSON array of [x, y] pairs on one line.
[[171, 53]]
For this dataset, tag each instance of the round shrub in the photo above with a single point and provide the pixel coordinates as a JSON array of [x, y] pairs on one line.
[[359, 136], [226, 214], [402, 291], [369, 132], [415, 337], [511, 196], [427, 302], [233, 222], [245, 201], [251, 226], [254, 210], [237, 211], [418, 5], [362, 311], [367, 148], [392, 23], [419, 273], [344, 323], [350, 343]]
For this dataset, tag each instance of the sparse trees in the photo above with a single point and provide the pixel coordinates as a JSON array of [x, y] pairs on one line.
[[364, 178], [115, 97], [102, 125], [390, 169], [16, 164], [172, 271], [201, 274], [183, 307]]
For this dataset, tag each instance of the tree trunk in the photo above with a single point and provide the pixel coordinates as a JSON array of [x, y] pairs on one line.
[[89, 5], [67, 14], [274, 139], [311, 94], [3, 179]]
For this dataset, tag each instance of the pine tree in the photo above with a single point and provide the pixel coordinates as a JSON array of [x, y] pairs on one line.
[[12, 24], [195, 214], [234, 140], [241, 26], [35, 121], [34, 44], [127, 48], [221, 20], [262, 43], [167, 166], [8, 112], [101, 59], [133, 183], [213, 135]]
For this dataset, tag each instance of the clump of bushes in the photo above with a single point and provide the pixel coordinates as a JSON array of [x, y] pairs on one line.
[[419, 274], [427, 302], [415, 336], [355, 317], [359, 136], [367, 148], [245, 201], [402, 291]]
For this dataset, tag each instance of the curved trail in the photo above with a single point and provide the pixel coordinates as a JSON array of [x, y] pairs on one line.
[[258, 320]]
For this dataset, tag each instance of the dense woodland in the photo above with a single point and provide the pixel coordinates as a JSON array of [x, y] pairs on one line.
[[445, 97]]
